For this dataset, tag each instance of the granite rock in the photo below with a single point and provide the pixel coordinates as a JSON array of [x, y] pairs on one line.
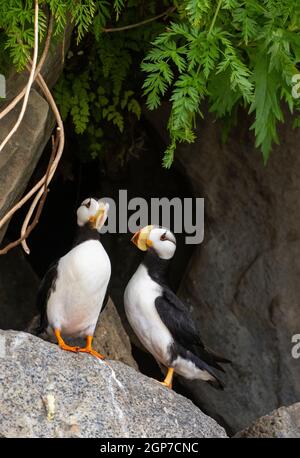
[[282, 423], [47, 392]]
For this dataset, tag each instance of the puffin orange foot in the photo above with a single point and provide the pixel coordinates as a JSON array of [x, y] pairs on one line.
[[88, 348], [62, 344], [169, 378], [69, 348], [91, 352]]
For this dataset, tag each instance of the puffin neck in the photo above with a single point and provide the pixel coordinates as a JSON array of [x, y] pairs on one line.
[[157, 267], [85, 233]]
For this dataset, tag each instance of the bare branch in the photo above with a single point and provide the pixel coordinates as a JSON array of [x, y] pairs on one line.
[[31, 77], [48, 176], [44, 192], [138, 24], [42, 185]]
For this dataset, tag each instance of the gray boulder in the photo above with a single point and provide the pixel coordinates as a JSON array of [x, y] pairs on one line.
[[47, 392], [282, 423]]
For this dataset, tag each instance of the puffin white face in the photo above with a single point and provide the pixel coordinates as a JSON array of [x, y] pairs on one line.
[[94, 212], [159, 239]]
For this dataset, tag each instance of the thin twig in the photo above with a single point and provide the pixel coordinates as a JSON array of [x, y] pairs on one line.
[[138, 24], [49, 176], [19, 97], [43, 197], [54, 165], [31, 78], [57, 149]]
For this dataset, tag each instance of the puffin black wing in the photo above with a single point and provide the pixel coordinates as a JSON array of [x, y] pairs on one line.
[[178, 320], [47, 285]]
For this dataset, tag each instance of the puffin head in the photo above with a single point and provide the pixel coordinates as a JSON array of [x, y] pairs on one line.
[[93, 212], [158, 239]]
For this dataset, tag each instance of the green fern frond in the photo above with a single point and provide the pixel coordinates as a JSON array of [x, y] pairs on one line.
[[265, 105]]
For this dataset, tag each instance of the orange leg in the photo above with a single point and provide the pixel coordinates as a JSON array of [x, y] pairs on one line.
[[169, 377], [88, 348], [62, 344]]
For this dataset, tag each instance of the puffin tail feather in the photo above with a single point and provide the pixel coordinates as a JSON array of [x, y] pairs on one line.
[[211, 377], [219, 358], [216, 383]]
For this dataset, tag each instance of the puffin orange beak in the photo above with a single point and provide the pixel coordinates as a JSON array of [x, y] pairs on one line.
[[135, 238], [140, 238], [94, 220]]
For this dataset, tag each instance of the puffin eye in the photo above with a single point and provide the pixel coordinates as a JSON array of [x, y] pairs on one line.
[[88, 204], [164, 236]]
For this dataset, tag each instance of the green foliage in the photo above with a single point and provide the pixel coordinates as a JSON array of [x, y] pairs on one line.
[[118, 6], [230, 53], [17, 31], [97, 89], [266, 104]]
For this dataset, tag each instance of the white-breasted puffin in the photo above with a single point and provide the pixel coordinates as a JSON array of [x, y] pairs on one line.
[[72, 293], [159, 318]]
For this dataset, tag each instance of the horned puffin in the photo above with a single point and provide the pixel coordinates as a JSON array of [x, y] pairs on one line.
[[160, 319], [72, 292]]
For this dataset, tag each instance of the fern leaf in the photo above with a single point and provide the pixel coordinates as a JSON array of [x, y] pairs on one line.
[[265, 105]]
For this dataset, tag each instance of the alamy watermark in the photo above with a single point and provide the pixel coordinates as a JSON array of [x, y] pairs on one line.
[[184, 215], [296, 86], [296, 346], [2, 87]]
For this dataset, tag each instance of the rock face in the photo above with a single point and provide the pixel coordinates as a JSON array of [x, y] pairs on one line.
[[21, 154], [282, 423], [242, 284], [47, 392]]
